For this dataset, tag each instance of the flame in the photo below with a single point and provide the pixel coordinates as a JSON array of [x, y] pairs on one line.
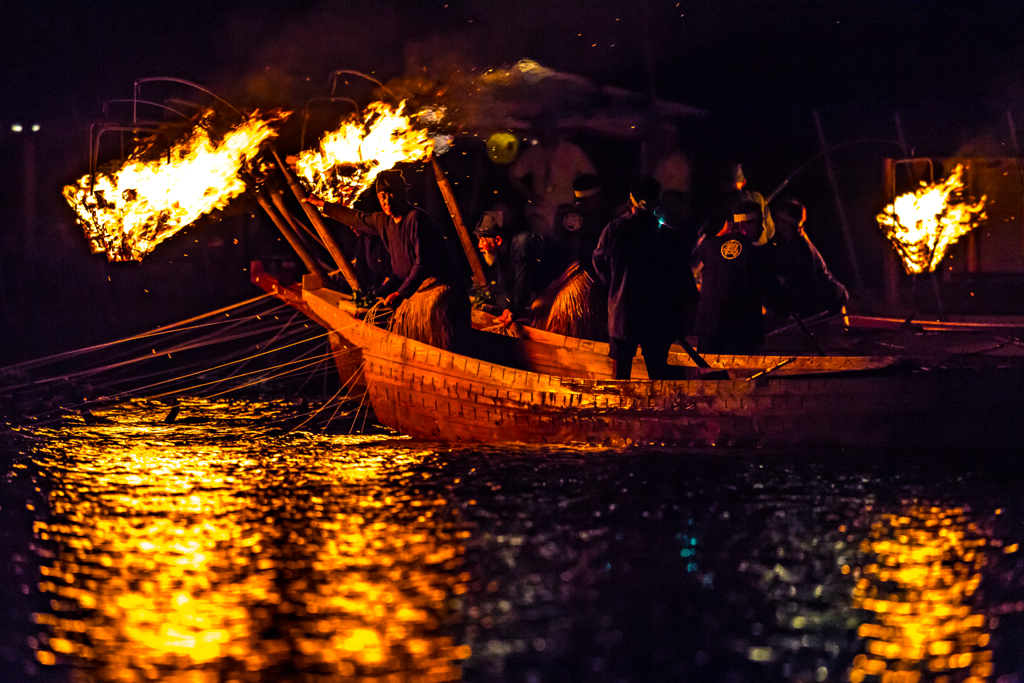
[[924, 224], [128, 213], [350, 158]]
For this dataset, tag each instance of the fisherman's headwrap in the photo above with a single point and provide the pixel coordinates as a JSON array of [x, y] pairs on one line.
[[391, 180]]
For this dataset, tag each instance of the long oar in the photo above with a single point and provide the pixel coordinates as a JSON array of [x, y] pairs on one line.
[[701, 363], [807, 333]]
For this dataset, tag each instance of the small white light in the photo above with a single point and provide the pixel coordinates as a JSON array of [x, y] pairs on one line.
[[16, 127], [36, 127]]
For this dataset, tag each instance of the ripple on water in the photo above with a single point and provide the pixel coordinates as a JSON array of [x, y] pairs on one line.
[[221, 547]]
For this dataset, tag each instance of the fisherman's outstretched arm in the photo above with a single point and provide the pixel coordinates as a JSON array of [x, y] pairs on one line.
[[360, 221]]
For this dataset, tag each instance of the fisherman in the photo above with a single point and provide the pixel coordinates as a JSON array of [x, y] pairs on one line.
[[808, 285], [519, 265], [731, 191], [544, 173], [420, 261], [666, 161], [649, 285], [578, 225], [736, 282]]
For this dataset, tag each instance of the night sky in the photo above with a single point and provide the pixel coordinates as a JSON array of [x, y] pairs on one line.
[[951, 71]]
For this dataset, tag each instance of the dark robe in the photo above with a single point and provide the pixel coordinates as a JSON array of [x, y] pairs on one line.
[[522, 271], [808, 285], [649, 281], [414, 243], [736, 282], [578, 227]]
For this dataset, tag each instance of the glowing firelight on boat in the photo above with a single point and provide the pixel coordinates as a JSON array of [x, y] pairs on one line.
[[349, 159], [923, 224], [127, 213]]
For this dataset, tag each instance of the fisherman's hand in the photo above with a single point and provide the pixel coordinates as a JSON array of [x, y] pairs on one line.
[[291, 160], [505, 319], [390, 299], [315, 201]]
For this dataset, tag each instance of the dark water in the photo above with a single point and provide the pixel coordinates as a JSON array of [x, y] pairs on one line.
[[219, 549]]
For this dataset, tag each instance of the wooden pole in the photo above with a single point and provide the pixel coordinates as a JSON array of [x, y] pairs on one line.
[[839, 204], [298, 226], [701, 363], [453, 208], [321, 228], [807, 334], [293, 239]]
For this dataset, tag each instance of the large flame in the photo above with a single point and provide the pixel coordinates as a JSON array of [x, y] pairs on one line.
[[350, 158], [127, 213], [924, 224]]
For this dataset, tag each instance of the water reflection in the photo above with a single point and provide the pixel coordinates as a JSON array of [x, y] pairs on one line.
[[204, 563], [925, 569], [219, 549]]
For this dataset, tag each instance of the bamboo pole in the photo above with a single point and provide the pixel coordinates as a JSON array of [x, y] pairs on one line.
[[453, 208], [321, 228], [298, 226], [293, 239]]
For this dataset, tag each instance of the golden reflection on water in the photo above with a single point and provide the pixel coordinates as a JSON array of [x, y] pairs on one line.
[[177, 555], [927, 566]]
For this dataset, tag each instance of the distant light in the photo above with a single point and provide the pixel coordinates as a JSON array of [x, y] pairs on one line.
[[36, 127], [16, 127]]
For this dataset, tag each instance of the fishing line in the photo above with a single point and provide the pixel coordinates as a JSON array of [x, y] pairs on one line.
[[91, 372], [270, 343], [144, 335], [318, 411], [257, 381]]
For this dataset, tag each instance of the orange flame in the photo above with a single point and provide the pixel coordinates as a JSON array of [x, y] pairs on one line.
[[349, 159], [128, 213], [922, 225]]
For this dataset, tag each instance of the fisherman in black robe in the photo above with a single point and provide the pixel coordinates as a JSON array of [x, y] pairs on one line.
[[649, 284], [736, 282], [578, 225], [806, 280], [519, 266]]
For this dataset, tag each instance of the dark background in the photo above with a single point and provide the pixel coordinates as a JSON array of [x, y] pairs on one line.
[[952, 72]]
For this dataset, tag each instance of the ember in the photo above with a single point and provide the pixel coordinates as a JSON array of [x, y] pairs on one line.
[[350, 158], [924, 224], [127, 213]]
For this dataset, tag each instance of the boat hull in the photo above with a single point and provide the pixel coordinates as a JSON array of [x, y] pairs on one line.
[[432, 394]]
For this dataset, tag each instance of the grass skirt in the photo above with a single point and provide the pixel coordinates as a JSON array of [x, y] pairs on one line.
[[435, 314]]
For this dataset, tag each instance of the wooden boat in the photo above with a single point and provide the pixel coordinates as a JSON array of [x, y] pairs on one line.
[[529, 390], [547, 352]]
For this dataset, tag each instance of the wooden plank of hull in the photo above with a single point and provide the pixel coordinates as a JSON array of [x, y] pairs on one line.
[[432, 394]]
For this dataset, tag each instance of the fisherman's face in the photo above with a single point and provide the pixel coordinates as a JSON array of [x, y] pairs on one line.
[[489, 246], [752, 229], [387, 202], [785, 228]]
